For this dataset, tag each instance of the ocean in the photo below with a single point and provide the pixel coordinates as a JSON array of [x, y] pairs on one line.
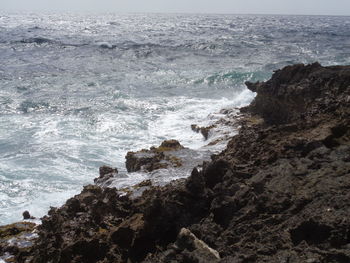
[[80, 91]]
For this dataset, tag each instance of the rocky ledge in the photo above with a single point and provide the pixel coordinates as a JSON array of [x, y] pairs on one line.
[[279, 192], [155, 158]]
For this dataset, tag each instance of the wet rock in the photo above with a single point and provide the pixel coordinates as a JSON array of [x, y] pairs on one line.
[[144, 159], [26, 215], [203, 130], [104, 170], [17, 240], [106, 173], [278, 193], [15, 229], [225, 123], [137, 189], [155, 158], [169, 145]]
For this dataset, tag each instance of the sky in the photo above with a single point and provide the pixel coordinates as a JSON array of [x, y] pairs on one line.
[[298, 7]]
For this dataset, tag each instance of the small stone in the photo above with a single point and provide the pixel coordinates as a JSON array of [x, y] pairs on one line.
[[26, 215]]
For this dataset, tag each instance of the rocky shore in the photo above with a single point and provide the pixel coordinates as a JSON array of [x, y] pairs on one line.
[[279, 192]]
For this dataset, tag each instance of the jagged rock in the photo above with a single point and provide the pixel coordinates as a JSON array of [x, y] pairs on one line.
[[195, 183], [106, 173], [278, 193], [295, 90], [199, 249], [169, 145], [104, 170], [155, 158], [203, 130], [126, 233], [16, 240]]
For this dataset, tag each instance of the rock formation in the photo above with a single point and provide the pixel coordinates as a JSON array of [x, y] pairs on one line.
[[279, 192], [155, 158]]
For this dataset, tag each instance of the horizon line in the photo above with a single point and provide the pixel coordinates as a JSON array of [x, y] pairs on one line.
[[165, 12]]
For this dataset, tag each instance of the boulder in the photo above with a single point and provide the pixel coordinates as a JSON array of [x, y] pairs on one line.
[[106, 173], [155, 158]]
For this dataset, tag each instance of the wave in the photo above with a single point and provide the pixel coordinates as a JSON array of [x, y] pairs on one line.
[[28, 106], [45, 41], [34, 28], [232, 78], [37, 40], [141, 49], [124, 46], [106, 45]]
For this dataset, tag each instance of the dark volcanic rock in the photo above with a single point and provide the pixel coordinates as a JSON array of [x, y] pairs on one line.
[[16, 241], [155, 158], [298, 90], [278, 193], [187, 248], [100, 226], [106, 173], [26, 215], [203, 130], [104, 170]]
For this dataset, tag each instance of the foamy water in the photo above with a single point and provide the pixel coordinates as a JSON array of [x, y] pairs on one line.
[[79, 91]]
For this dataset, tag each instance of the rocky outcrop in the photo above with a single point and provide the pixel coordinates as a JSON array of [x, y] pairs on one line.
[[297, 91], [279, 192], [98, 225], [106, 174], [17, 241], [155, 158]]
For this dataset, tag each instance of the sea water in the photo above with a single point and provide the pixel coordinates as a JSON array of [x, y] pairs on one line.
[[80, 91]]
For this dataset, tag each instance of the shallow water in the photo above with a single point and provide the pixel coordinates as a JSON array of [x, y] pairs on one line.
[[79, 91]]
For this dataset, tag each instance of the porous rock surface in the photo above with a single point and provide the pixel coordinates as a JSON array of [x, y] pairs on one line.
[[106, 174], [279, 193], [155, 158], [16, 241]]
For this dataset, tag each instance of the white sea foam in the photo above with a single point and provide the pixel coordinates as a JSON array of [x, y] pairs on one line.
[[68, 105]]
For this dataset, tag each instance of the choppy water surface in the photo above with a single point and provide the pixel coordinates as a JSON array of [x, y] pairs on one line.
[[79, 91]]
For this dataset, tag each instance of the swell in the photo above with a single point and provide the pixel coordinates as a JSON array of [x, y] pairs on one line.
[[232, 77]]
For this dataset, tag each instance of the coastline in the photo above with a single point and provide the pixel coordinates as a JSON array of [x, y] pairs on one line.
[[277, 193]]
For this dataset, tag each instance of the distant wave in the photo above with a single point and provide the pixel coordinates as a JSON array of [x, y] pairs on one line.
[[34, 28], [37, 40], [141, 49], [125, 45], [45, 41], [28, 106], [106, 45], [232, 77]]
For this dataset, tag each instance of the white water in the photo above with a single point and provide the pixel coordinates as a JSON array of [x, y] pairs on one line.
[[78, 92]]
